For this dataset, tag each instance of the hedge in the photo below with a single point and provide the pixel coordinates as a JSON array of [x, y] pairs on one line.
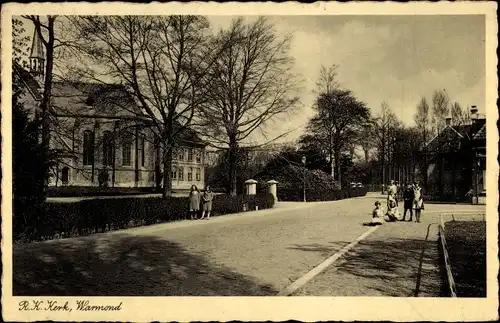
[[61, 220], [312, 194], [81, 191]]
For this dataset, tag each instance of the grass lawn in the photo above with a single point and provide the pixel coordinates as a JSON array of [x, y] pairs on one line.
[[467, 250]]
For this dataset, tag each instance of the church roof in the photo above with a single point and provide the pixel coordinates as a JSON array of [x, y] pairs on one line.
[[93, 100], [29, 81]]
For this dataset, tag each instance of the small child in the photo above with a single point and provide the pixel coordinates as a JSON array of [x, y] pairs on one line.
[[392, 209], [377, 215]]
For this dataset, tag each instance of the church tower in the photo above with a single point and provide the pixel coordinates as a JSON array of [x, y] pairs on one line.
[[37, 58]]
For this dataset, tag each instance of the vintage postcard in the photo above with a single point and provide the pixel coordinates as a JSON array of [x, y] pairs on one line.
[[249, 161]]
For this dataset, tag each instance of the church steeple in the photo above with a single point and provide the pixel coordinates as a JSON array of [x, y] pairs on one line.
[[37, 56]]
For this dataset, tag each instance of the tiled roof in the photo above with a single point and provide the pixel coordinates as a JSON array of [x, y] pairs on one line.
[[86, 99], [481, 134], [93, 100], [470, 130], [30, 82]]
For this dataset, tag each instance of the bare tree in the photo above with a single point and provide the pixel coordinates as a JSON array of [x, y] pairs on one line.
[[327, 80], [440, 109], [162, 60], [459, 116], [252, 84]]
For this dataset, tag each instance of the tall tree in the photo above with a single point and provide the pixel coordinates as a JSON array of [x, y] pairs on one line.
[[440, 110], [252, 84], [20, 42], [46, 32], [162, 60], [338, 117]]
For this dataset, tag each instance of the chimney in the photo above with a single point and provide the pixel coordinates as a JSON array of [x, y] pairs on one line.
[[473, 112], [448, 121]]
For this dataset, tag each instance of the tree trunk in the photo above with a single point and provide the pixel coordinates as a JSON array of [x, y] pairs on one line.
[[167, 174], [332, 165], [337, 161], [233, 150], [46, 100]]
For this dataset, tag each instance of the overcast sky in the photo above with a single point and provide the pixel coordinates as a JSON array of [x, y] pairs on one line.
[[398, 59]]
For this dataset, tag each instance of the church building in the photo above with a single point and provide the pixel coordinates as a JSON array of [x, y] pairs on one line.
[[98, 129]]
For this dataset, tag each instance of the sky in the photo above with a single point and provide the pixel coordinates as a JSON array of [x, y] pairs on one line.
[[397, 59]]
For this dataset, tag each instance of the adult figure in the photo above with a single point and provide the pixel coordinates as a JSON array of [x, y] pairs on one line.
[[418, 201], [207, 198], [408, 197], [194, 202]]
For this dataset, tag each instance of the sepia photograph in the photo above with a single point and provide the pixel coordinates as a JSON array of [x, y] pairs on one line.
[[156, 154]]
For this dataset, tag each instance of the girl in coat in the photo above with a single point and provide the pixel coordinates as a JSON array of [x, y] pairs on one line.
[[194, 202], [208, 196], [418, 201]]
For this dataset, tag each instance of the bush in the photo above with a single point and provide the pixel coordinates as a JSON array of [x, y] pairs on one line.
[[100, 215], [292, 177], [297, 194]]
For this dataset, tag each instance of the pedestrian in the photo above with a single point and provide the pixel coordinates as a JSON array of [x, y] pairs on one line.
[[418, 201], [377, 215], [393, 190], [208, 196], [194, 202], [408, 197]]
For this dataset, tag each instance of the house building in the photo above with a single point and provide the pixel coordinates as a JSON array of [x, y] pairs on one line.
[[456, 162], [99, 129]]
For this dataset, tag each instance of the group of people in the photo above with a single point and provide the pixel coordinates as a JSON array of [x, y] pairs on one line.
[[412, 202], [197, 199]]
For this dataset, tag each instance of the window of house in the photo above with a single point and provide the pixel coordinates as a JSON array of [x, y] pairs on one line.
[[88, 147], [107, 147], [198, 157], [180, 154], [190, 155], [65, 175], [190, 174], [174, 173], [198, 174], [181, 173], [142, 151], [127, 150]]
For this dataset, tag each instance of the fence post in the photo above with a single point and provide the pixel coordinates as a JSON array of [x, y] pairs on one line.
[[273, 189], [251, 186]]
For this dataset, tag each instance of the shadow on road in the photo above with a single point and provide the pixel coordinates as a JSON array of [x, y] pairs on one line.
[[390, 267], [396, 266], [123, 265], [322, 249]]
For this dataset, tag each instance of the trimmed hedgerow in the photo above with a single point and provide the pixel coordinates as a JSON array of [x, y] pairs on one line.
[[85, 217], [297, 194], [80, 191]]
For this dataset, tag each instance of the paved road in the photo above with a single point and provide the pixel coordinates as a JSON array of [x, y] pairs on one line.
[[257, 253]]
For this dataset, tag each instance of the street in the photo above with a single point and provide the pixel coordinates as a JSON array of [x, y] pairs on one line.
[[257, 253]]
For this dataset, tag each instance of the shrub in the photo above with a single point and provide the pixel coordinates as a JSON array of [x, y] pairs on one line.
[[100, 215], [292, 177]]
